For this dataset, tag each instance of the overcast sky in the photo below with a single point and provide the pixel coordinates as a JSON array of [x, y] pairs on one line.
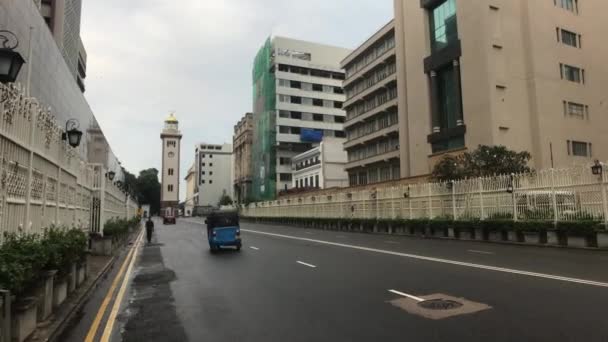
[[149, 57]]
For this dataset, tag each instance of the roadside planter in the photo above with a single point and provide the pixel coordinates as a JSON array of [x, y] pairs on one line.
[[480, 234], [101, 245], [81, 271], [44, 295], [602, 239], [60, 291], [580, 233], [72, 278], [24, 319]]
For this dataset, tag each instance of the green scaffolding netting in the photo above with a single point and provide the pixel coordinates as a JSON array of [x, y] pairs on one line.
[[264, 116]]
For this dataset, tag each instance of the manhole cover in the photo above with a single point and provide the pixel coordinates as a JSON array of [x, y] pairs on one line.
[[439, 304]]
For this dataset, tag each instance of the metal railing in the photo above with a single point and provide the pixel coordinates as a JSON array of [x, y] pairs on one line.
[[552, 195], [43, 181]]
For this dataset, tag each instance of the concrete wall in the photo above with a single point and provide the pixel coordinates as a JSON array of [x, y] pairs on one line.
[[52, 82], [333, 162]]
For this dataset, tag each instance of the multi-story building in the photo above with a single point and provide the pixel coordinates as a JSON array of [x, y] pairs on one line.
[[372, 125], [171, 140], [191, 188], [213, 169], [63, 19], [529, 75], [242, 140], [298, 100], [321, 167]]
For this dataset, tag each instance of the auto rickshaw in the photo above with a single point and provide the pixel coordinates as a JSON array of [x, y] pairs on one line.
[[223, 230]]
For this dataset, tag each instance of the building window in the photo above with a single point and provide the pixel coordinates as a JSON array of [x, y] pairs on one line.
[[284, 114], [317, 117], [202, 181], [352, 179], [284, 161], [363, 178], [210, 164], [210, 173], [572, 73], [211, 156], [570, 5], [317, 102], [171, 143], [576, 110], [317, 87], [579, 149], [170, 172], [202, 164], [338, 90], [338, 104], [296, 100], [295, 85], [569, 38], [170, 187], [340, 134], [285, 177], [444, 28], [295, 130], [339, 119], [296, 115], [317, 181], [202, 173], [283, 129], [203, 156]]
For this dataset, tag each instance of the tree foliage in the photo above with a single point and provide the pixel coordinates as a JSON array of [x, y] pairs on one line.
[[148, 190], [225, 200], [482, 162]]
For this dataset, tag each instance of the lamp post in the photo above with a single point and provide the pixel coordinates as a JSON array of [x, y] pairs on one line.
[[110, 175], [72, 134], [11, 61]]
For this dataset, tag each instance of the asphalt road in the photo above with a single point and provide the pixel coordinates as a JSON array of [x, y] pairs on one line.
[[294, 284]]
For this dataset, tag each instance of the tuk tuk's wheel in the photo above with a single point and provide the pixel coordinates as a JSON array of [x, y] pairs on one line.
[[238, 247]]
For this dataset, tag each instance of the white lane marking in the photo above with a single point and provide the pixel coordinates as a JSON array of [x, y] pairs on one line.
[[407, 295], [392, 242], [305, 264], [254, 248], [480, 252], [444, 261]]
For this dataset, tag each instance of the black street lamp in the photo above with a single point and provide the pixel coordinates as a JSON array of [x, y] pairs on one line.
[[597, 168], [10, 60], [72, 134], [111, 175]]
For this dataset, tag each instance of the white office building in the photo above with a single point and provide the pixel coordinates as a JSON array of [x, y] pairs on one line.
[[298, 100], [213, 170], [321, 167]]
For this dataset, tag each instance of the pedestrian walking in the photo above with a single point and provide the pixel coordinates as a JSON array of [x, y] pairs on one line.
[[149, 229]]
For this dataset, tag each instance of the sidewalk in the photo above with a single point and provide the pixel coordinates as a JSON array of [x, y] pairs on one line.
[[59, 321]]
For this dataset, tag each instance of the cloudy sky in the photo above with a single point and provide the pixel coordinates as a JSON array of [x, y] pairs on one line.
[[149, 57]]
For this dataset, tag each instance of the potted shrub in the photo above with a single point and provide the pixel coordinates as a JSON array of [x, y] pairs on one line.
[[579, 233], [534, 232], [464, 230], [439, 227], [602, 236]]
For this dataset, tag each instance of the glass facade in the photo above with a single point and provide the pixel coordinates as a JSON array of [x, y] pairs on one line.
[[444, 28]]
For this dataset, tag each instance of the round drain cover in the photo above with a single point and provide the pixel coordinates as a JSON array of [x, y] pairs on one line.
[[439, 304]]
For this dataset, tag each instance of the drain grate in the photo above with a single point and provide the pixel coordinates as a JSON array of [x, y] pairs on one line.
[[439, 304]]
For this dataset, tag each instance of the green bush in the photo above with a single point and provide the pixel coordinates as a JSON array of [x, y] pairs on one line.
[[120, 227], [23, 256], [497, 225], [579, 228]]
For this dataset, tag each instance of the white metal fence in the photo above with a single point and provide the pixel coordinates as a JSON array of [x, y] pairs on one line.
[[553, 195], [43, 181]]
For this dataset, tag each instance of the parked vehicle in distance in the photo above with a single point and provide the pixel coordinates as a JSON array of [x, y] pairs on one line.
[[169, 216], [223, 230]]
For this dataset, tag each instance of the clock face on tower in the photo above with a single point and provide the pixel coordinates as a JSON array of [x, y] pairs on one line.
[[171, 155]]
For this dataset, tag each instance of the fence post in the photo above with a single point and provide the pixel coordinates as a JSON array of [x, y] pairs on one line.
[[513, 197], [393, 203], [102, 199], [604, 196], [30, 169], [482, 209], [454, 215], [57, 193], [5, 316], [409, 200], [430, 202], [553, 197]]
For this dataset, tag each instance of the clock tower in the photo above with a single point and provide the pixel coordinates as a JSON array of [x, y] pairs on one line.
[[171, 138]]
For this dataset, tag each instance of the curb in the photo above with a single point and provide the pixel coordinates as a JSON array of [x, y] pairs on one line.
[[69, 317]]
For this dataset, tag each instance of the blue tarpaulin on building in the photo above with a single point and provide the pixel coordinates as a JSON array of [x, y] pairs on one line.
[[311, 135]]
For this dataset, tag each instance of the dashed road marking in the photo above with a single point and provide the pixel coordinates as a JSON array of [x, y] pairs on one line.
[[306, 264], [480, 252], [254, 248], [418, 299]]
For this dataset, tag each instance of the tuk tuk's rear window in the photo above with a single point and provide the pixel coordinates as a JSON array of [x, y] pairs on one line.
[[223, 220]]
